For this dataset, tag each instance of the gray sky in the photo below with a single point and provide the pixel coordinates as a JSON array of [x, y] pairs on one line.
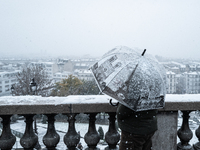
[[168, 28]]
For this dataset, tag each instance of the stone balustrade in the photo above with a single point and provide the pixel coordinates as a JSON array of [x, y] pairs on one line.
[[165, 137]]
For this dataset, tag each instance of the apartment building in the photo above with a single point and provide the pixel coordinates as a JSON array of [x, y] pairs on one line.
[[61, 75], [84, 74], [83, 64], [62, 66], [50, 67], [171, 82], [192, 82], [188, 82], [7, 79], [181, 83], [65, 65]]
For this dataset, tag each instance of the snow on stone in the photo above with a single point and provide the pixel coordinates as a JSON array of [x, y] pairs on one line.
[[182, 98], [39, 100], [84, 99]]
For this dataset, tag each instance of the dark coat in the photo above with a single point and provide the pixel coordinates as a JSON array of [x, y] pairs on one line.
[[138, 123]]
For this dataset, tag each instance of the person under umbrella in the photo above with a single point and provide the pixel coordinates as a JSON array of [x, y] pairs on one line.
[[137, 128], [138, 83]]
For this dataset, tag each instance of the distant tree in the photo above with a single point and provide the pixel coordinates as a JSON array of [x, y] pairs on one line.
[[68, 86], [44, 83], [181, 85], [74, 86]]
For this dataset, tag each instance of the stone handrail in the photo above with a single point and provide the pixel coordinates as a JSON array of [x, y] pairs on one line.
[[28, 106], [83, 104], [48, 105]]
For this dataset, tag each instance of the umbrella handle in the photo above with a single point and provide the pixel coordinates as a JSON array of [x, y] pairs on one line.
[[143, 52], [115, 105]]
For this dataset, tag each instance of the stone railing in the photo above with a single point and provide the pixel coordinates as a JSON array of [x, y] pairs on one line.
[[165, 137]]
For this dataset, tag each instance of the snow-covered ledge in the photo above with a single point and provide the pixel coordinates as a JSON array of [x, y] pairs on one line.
[[164, 138], [49, 105], [84, 104]]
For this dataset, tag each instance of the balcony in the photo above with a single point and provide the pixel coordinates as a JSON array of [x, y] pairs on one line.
[[165, 137]]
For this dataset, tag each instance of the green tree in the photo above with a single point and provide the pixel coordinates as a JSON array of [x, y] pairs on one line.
[[74, 86], [68, 86]]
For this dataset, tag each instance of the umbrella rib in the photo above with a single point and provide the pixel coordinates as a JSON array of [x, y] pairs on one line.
[[127, 82], [132, 72]]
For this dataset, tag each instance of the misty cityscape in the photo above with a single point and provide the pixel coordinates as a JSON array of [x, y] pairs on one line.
[[183, 75]]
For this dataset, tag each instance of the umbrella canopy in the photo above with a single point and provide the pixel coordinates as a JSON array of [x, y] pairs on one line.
[[137, 81]]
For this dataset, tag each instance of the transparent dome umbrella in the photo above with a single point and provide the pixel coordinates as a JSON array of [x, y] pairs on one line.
[[135, 80]]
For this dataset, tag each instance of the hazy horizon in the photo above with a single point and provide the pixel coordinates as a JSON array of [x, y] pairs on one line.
[[66, 28]]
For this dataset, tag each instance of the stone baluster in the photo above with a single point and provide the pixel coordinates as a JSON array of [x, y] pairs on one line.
[[92, 137], [184, 133], [112, 137], [7, 139], [196, 146], [51, 138], [72, 138], [29, 139]]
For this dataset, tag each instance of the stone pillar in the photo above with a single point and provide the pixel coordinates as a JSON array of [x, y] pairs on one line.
[[196, 146], [71, 138], [165, 138], [29, 139], [7, 139], [184, 133], [51, 138], [92, 137], [112, 137]]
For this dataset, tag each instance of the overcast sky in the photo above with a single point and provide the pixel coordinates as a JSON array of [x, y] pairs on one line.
[[169, 28]]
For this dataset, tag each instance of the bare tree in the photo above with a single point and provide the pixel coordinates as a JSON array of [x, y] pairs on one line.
[[30, 71], [181, 85]]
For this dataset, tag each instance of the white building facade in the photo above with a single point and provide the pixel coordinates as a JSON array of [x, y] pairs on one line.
[[171, 82], [7, 79], [61, 75], [193, 82], [84, 74]]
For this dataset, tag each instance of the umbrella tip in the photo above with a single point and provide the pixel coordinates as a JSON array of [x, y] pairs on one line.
[[143, 52]]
